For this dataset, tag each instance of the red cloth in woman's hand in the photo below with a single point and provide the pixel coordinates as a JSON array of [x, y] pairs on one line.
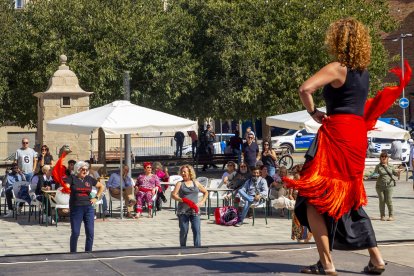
[[59, 173], [191, 204]]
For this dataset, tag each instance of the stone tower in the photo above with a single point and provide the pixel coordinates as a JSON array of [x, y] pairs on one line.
[[63, 97]]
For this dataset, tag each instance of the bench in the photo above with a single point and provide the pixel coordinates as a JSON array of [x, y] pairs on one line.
[[215, 159]]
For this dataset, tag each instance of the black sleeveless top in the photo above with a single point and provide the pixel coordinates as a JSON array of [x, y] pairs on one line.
[[350, 97]]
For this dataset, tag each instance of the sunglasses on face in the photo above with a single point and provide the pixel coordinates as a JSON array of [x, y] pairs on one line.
[[84, 170], [24, 143]]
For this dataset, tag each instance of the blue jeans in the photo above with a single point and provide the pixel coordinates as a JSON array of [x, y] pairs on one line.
[[248, 200], [271, 170], [183, 222], [28, 176], [178, 150], [77, 215], [104, 204]]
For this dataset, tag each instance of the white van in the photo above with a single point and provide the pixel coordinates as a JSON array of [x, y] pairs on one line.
[[377, 145]]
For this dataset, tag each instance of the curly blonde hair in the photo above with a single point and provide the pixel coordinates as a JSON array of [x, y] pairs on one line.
[[348, 40], [190, 170]]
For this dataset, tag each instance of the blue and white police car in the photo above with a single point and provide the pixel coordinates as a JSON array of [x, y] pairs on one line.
[[294, 140]]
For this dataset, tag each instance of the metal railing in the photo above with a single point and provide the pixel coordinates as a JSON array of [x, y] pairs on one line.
[[143, 146]]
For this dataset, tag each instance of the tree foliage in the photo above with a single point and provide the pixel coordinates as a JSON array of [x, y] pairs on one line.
[[200, 58]]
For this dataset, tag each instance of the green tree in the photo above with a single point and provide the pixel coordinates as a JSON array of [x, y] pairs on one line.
[[200, 58]]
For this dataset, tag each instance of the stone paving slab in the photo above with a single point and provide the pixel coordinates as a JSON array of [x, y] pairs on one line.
[[21, 237]]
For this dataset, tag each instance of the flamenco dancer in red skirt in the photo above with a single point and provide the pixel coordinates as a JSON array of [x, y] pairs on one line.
[[331, 189]]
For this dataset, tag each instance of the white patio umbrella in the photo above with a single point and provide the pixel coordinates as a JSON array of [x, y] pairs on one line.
[[301, 119], [118, 118]]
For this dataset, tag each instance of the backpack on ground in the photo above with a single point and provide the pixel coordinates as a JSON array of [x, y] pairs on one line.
[[226, 215]]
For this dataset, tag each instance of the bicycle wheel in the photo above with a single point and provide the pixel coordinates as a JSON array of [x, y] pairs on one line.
[[286, 161]]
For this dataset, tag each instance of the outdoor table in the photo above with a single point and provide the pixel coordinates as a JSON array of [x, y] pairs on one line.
[[46, 197], [216, 190]]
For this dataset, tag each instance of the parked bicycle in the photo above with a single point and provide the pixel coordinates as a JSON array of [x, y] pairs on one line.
[[284, 157]]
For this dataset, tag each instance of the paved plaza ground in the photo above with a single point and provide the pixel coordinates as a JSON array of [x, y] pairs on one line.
[[269, 243]]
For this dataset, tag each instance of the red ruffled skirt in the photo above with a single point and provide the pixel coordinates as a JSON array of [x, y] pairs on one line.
[[333, 180]]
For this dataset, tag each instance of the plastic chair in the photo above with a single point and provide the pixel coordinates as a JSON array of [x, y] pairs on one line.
[[112, 199], [34, 203], [261, 204], [98, 203], [204, 181], [154, 202], [2, 193], [216, 184], [61, 202], [174, 179]]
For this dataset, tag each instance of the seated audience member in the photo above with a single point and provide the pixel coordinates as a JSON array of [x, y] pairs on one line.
[[114, 186], [253, 191], [71, 167], [13, 176], [163, 176], [236, 180], [230, 173], [299, 233], [44, 183], [146, 187], [278, 188]]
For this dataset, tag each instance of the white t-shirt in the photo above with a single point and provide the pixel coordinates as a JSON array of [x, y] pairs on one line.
[[25, 159]]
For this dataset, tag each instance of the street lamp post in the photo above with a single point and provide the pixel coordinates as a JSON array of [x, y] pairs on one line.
[[401, 38]]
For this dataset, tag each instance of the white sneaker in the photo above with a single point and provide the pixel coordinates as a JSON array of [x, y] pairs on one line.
[[49, 220], [9, 214]]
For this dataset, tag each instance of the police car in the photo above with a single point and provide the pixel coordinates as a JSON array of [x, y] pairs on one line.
[[377, 145], [294, 140]]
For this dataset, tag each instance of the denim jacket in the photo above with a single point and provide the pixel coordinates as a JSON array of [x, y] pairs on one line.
[[260, 187]]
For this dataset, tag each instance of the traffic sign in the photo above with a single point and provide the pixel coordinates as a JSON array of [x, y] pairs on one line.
[[403, 102]]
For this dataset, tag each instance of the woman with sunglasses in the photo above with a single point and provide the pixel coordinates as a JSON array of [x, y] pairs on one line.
[[45, 158], [236, 180], [385, 186], [81, 204], [268, 157], [147, 185]]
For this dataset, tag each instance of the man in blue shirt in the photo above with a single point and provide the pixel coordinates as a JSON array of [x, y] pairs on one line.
[[254, 191], [12, 177], [114, 186]]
